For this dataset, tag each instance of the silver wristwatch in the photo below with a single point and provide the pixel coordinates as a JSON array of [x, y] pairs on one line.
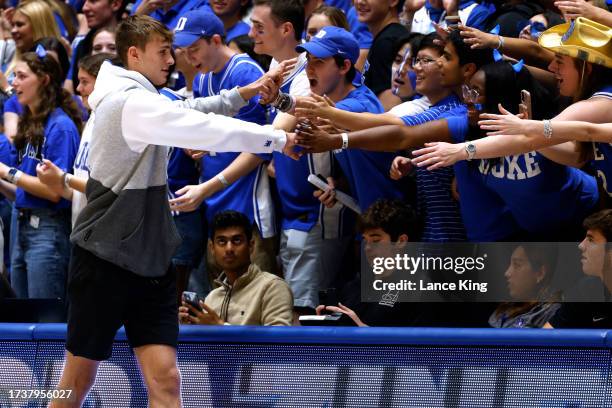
[[470, 149]]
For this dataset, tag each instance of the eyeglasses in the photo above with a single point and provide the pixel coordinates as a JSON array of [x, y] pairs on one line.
[[470, 95], [422, 61]]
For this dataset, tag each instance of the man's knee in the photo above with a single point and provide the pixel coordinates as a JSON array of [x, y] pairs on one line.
[[167, 381]]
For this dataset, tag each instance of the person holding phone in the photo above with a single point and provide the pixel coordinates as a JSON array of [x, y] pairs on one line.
[[246, 295]]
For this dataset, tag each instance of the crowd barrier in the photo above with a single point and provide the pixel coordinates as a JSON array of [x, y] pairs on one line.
[[250, 367]]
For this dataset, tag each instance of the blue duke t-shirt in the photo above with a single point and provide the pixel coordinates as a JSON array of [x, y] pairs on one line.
[[485, 215], [61, 142], [241, 195]]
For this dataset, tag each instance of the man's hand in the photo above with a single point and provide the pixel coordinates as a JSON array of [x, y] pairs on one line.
[[268, 85], [313, 106], [195, 154], [290, 148], [190, 315], [400, 167], [316, 140], [190, 197], [328, 197]]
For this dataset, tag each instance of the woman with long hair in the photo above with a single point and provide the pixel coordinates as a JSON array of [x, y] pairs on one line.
[[48, 129], [528, 278]]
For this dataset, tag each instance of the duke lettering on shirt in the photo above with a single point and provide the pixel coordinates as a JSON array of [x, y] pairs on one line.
[[514, 170]]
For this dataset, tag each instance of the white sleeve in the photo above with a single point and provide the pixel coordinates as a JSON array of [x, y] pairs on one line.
[[227, 103], [300, 86], [153, 119], [410, 108]]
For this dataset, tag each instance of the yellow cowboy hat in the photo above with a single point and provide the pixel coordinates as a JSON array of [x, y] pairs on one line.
[[582, 39]]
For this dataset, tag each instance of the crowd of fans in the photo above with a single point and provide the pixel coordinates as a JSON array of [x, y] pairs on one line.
[[456, 121]]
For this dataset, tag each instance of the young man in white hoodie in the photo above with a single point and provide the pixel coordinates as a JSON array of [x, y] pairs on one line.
[[125, 237]]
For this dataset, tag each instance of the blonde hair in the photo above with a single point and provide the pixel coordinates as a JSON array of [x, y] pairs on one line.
[[43, 24], [41, 19]]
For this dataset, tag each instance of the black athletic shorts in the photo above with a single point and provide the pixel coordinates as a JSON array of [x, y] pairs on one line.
[[102, 297]]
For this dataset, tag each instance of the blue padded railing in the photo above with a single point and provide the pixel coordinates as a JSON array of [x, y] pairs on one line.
[[303, 367], [347, 335]]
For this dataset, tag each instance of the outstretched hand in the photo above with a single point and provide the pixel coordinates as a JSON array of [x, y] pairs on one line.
[[439, 154], [505, 124], [313, 106], [314, 139], [478, 39], [272, 80]]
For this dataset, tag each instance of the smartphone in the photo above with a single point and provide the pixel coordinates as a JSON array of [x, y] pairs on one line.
[[192, 298], [525, 106], [328, 297]]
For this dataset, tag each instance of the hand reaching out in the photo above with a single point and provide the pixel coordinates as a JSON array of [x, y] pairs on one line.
[[343, 310], [505, 124], [478, 39], [439, 154]]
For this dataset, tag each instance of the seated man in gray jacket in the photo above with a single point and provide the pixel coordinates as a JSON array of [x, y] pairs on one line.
[[246, 295]]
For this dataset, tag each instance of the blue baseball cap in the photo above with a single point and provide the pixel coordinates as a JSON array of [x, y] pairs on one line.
[[194, 25], [330, 41]]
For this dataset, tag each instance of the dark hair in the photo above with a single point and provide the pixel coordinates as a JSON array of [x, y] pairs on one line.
[[228, 219], [92, 63], [350, 75], [541, 255], [335, 15], [413, 38], [552, 18], [137, 31], [246, 44], [395, 217], [31, 126], [53, 44], [286, 11], [600, 221], [468, 55], [503, 85], [428, 41]]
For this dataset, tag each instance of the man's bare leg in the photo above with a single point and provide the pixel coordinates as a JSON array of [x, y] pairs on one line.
[[161, 375], [78, 377]]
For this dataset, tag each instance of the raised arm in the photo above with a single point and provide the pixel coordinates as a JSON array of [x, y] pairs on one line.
[[517, 48]]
